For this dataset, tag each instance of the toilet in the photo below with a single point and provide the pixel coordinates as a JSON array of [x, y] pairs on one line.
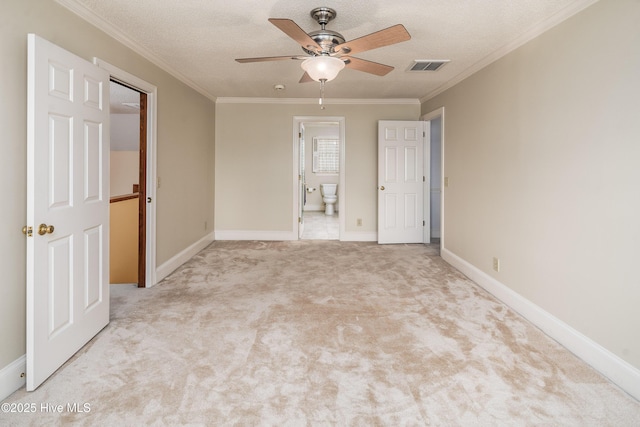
[[329, 197]]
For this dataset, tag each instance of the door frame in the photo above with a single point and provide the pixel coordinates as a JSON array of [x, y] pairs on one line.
[[439, 113], [120, 76], [297, 121]]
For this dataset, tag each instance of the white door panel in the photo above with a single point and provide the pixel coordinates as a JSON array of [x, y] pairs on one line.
[[67, 192], [400, 181], [301, 181]]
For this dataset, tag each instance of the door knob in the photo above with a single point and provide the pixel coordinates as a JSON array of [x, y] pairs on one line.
[[44, 229], [382, 187]]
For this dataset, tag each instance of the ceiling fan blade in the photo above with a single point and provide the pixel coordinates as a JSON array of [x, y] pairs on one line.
[[367, 66], [306, 78], [292, 29], [270, 58], [386, 37]]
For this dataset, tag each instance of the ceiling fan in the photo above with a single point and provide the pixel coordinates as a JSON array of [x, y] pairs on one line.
[[328, 52]]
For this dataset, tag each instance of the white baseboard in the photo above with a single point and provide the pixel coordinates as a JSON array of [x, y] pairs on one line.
[[176, 261], [12, 377], [313, 208], [255, 235], [367, 236], [318, 208], [359, 236], [620, 372]]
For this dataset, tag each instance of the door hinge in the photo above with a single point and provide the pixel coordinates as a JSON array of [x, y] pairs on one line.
[[424, 223], [27, 231], [424, 179], [299, 220], [299, 134]]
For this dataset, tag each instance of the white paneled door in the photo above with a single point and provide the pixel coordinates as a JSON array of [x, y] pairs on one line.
[[67, 206], [401, 181]]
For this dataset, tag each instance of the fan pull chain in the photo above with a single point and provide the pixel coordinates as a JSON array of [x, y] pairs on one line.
[[321, 100]]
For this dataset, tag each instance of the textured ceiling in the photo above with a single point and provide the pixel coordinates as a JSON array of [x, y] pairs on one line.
[[198, 40]]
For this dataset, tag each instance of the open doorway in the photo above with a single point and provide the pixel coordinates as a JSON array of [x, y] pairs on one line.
[[435, 191], [319, 144], [146, 95], [127, 178]]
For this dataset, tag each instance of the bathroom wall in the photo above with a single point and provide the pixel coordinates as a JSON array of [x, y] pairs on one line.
[[313, 180]]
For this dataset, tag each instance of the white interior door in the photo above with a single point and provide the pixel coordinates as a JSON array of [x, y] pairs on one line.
[[301, 181], [400, 181], [67, 206]]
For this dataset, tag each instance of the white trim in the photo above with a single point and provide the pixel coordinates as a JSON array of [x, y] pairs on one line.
[[152, 161], [608, 364], [439, 112], [314, 208], [183, 256], [426, 181], [97, 21], [359, 236], [332, 101], [257, 234], [533, 32], [13, 377]]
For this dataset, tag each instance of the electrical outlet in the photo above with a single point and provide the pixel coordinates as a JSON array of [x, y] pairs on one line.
[[158, 186], [446, 181], [359, 222], [205, 225], [496, 264]]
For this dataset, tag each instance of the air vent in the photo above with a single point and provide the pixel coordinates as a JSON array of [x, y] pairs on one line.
[[427, 64]]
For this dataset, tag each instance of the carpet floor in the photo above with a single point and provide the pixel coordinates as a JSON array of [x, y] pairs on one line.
[[320, 333]]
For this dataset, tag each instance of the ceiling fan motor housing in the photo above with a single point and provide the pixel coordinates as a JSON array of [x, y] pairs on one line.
[[323, 15], [326, 39]]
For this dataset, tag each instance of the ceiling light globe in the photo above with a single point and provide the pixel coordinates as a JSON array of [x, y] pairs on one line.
[[322, 67]]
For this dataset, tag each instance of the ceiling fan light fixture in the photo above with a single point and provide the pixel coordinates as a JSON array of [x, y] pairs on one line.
[[322, 67]]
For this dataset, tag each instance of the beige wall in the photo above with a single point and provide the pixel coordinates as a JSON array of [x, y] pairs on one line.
[[542, 152], [254, 162], [123, 241], [124, 170], [185, 148], [124, 129]]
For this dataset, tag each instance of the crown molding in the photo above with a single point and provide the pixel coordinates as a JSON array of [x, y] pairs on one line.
[[121, 37], [332, 101], [527, 36]]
